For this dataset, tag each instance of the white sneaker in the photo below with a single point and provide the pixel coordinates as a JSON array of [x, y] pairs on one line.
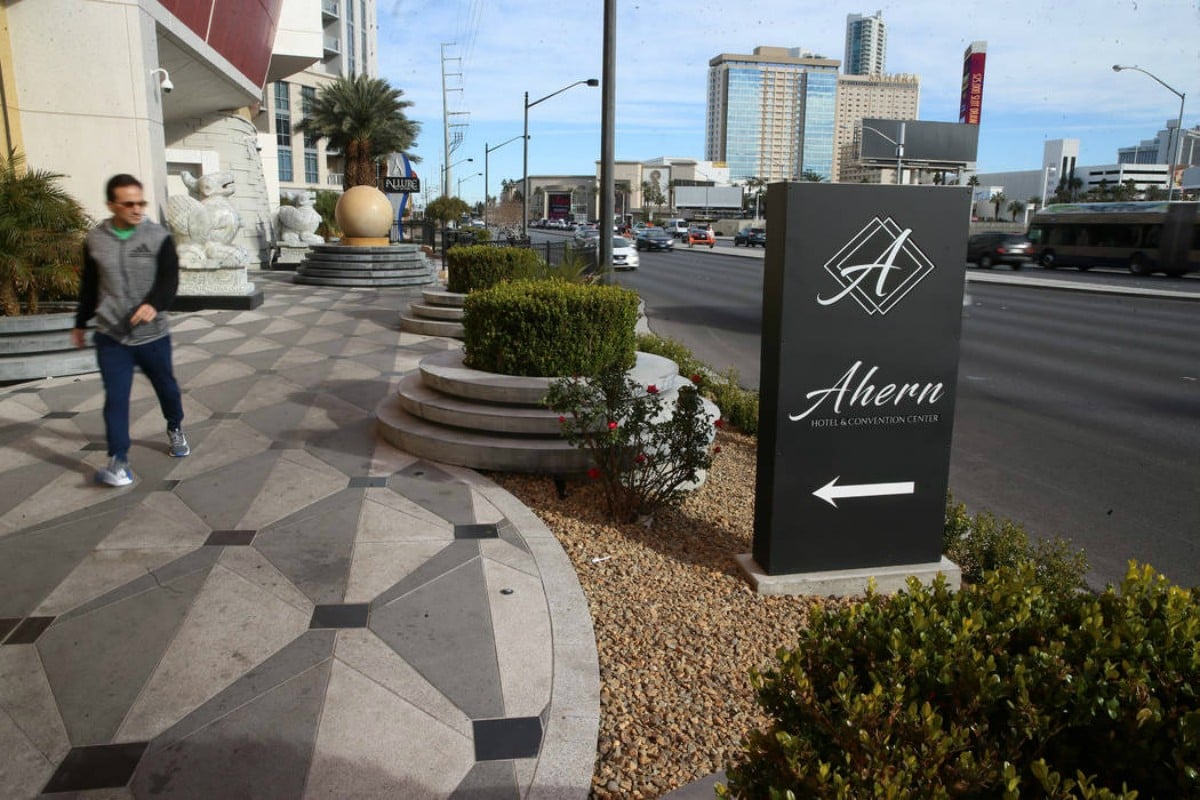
[[177, 443], [117, 473]]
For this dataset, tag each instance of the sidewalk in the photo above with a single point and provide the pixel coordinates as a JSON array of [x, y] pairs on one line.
[[297, 609]]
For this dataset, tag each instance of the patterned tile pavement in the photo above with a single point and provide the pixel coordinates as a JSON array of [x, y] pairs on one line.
[[297, 609]]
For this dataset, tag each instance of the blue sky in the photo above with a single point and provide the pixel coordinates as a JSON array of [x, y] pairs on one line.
[[1049, 72]]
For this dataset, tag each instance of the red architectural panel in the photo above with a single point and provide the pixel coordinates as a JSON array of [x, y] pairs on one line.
[[243, 31]]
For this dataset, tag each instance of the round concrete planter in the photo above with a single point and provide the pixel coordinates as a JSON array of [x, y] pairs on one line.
[[39, 346]]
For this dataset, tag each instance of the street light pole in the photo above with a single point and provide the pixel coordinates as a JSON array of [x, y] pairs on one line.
[[445, 171], [525, 159], [458, 193], [486, 151], [1178, 148], [899, 148]]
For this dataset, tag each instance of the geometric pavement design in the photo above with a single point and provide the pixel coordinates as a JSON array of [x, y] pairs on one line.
[[297, 609]]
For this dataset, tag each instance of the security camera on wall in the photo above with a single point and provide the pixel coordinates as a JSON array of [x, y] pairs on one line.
[[165, 81]]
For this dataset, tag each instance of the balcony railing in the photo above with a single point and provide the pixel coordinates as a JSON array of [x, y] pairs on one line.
[[333, 45], [334, 179], [330, 9]]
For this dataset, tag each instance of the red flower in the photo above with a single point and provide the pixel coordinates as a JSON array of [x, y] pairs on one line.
[[562, 419], [593, 473], [696, 378], [652, 389], [717, 449], [720, 423], [612, 426], [641, 458]]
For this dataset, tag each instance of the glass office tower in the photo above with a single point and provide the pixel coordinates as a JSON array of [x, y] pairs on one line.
[[772, 114]]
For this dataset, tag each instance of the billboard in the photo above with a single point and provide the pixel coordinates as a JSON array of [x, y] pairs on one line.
[[560, 205], [711, 197], [971, 107], [862, 312], [924, 142]]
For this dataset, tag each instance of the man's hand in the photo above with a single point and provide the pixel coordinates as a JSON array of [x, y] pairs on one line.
[[144, 313], [78, 337]]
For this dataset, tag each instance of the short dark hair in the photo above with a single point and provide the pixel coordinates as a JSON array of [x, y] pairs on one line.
[[117, 182]]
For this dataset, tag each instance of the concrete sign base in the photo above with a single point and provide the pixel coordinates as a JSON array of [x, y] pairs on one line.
[[846, 582]]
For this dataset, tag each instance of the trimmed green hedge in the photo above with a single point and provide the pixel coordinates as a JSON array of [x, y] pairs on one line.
[[480, 266], [549, 328], [998, 690]]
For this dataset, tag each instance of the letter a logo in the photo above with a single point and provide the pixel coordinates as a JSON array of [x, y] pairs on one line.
[[877, 267]]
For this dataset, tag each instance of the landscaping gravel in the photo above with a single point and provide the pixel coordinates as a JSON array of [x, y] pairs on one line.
[[678, 628]]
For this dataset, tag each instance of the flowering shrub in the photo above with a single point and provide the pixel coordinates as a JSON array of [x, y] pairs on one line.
[[647, 450]]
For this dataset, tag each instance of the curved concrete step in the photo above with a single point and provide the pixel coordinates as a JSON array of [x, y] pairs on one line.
[[445, 372], [47, 365], [426, 311], [431, 327], [428, 404], [475, 449], [440, 297], [316, 280]]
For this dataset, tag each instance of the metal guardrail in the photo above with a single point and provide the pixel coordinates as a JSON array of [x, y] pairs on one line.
[[332, 44], [330, 8]]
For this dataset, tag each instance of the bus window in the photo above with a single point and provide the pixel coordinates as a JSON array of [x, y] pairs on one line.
[[1152, 236], [1037, 234]]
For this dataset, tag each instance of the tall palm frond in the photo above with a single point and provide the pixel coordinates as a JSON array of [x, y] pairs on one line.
[[364, 118]]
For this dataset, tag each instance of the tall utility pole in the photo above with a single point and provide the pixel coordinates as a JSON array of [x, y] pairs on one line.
[[608, 105], [446, 114]]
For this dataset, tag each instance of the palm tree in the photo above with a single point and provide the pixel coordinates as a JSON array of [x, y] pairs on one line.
[[41, 237], [364, 118], [1015, 207], [998, 200]]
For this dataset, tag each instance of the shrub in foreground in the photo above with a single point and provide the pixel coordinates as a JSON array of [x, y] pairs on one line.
[[982, 543], [549, 328], [998, 690], [648, 451]]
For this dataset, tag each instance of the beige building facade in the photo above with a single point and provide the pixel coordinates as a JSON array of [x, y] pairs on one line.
[[869, 96]]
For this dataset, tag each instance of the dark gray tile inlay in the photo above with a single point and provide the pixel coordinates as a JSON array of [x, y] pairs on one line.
[[444, 630], [450, 500], [98, 664], [345, 615], [489, 780], [226, 415], [312, 547], [168, 485], [480, 530], [514, 737], [6, 625], [60, 415], [222, 496], [92, 447], [287, 445], [230, 538], [29, 630], [262, 749], [348, 449], [297, 657], [510, 533], [449, 557], [200, 559], [106, 766], [368, 482]]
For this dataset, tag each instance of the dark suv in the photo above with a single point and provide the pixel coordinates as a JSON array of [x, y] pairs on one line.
[[989, 249], [751, 237]]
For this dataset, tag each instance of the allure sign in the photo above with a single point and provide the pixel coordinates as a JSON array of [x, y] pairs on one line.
[[862, 312]]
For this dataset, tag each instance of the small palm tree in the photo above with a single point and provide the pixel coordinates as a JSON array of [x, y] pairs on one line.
[[998, 200], [1015, 207], [364, 118], [41, 237]]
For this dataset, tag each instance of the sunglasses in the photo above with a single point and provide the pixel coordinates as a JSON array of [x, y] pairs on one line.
[[131, 203]]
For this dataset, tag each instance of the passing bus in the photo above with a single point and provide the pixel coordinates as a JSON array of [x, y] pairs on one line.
[[1142, 237]]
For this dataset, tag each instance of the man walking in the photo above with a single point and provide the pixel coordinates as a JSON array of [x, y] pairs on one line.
[[130, 276]]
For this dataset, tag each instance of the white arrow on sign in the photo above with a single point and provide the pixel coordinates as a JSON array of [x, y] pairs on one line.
[[831, 491]]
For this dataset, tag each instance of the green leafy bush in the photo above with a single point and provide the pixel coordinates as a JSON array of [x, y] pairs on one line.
[[549, 328], [982, 543], [739, 407], [998, 690], [648, 451], [480, 266], [325, 204]]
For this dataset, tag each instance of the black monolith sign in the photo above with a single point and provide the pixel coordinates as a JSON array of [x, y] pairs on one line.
[[862, 312]]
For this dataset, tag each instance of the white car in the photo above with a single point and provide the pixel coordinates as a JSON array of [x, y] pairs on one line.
[[624, 254]]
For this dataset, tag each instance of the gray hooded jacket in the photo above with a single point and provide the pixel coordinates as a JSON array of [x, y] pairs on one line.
[[118, 276]]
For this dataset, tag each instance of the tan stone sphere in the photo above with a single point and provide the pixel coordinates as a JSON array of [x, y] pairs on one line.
[[364, 213]]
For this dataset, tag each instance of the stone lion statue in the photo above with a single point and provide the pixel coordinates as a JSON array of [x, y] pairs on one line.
[[298, 223], [205, 225]]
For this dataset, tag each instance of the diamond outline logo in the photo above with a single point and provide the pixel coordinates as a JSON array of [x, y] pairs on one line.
[[884, 262]]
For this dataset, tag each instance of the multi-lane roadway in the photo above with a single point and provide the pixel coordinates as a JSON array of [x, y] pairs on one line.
[[1078, 412]]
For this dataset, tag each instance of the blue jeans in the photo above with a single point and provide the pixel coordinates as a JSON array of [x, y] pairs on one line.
[[116, 362]]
